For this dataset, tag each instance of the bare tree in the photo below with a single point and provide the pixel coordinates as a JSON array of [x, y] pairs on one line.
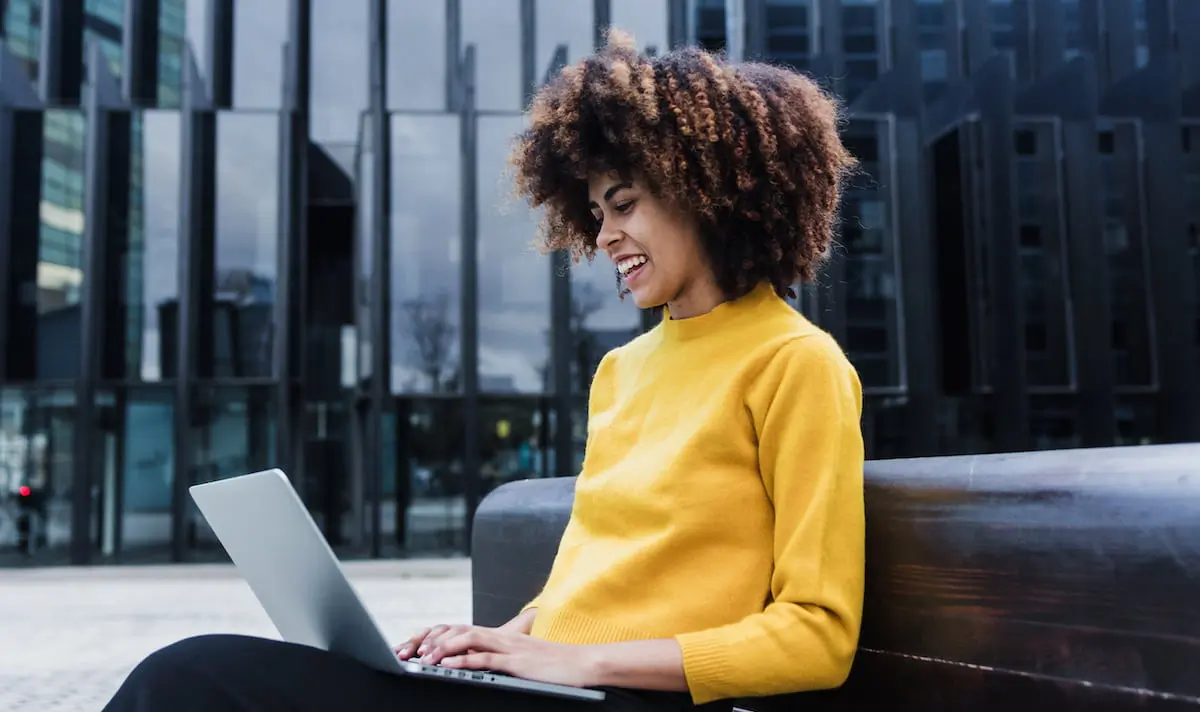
[[432, 338]]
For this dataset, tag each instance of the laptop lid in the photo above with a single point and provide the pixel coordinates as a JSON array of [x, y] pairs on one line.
[[283, 556]]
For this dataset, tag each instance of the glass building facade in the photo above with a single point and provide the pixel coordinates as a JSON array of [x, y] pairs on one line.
[[241, 234]]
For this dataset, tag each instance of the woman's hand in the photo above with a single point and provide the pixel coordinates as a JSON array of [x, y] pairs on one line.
[[515, 654], [424, 640]]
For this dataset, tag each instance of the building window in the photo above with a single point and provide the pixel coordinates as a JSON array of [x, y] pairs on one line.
[[1025, 142]]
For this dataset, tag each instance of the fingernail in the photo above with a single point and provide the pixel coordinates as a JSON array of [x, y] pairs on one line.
[[421, 650]]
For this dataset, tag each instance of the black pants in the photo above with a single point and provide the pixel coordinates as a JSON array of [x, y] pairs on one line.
[[234, 673]]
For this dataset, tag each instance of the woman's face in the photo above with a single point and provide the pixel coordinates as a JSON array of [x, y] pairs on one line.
[[656, 249]]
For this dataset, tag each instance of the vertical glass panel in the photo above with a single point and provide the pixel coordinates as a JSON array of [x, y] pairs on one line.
[[1042, 251], [196, 34], [426, 249], [104, 25], [259, 35], [514, 441], [246, 241], [151, 277], [365, 229], [494, 26], [1124, 240], [872, 323], [36, 463], [338, 68], [646, 20], [147, 469], [23, 36], [430, 510], [60, 271], [563, 22], [234, 435], [172, 32], [514, 278], [416, 54]]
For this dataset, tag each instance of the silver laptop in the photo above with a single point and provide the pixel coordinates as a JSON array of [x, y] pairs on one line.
[[278, 549]]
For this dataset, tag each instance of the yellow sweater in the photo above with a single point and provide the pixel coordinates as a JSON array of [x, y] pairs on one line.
[[720, 503]]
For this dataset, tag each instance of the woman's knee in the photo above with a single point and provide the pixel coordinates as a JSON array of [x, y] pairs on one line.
[[185, 668]]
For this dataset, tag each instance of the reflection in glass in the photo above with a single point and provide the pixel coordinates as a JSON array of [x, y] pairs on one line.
[[494, 27], [600, 320], [563, 22], [59, 273], [416, 55], [147, 469], [172, 31], [646, 20], [259, 35], [23, 36], [426, 245], [514, 278], [246, 244], [516, 442], [872, 323], [234, 435], [36, 458], [427, 512], [338, 68], [151, 277]]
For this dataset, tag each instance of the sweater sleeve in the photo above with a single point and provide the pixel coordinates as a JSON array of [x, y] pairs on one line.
[[807, 406]]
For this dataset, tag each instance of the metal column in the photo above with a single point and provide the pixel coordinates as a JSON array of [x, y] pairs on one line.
[[291, 246], [469, 277], [106, 204], [194, 319], [380, 388]]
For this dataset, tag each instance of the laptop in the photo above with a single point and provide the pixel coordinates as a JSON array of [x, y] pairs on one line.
[[278, 549]]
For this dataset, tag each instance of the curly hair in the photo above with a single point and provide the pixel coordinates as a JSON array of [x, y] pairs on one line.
[[750, 150]]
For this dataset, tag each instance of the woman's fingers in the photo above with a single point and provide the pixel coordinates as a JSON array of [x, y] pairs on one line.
[[471, 640], [409, 647], [475, 661]]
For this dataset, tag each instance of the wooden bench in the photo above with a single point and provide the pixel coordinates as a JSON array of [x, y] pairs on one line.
[[1058, 580]]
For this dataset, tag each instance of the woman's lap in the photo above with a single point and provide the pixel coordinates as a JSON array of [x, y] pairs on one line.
[[246, 674]]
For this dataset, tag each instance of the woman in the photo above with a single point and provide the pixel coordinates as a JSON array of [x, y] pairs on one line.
[[716, 548]]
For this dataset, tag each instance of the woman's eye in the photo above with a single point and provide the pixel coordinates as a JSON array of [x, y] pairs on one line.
[[623, 207]]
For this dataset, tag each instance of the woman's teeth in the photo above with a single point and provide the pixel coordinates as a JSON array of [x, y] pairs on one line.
[[627, 265]]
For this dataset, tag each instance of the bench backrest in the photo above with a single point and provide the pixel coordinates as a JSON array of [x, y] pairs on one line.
[[1056, 578]]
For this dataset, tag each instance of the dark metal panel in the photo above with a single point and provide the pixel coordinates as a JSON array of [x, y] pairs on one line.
[[1049, 40], [1160, 26], [994, 91], [1187, 41], [1119, 40], [469, 275], [454, 48], [194, 319], [292, 238], [1076, 89], [918, 277], [220, 29], [60, 74], [140, 44], [1152, 95], [381, 275], [971, 32], [106, 205]]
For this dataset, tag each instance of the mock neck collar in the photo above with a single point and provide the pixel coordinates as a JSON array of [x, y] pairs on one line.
[[719, 317]]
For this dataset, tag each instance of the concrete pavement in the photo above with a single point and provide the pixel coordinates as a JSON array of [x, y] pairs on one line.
[[69, 636]]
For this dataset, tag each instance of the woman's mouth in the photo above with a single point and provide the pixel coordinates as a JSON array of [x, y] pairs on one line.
[[630, 267]]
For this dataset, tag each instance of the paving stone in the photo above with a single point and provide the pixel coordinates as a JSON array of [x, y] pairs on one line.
[[69, 636]]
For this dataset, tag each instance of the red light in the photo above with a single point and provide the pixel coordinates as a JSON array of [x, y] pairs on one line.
[[24, 490]]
